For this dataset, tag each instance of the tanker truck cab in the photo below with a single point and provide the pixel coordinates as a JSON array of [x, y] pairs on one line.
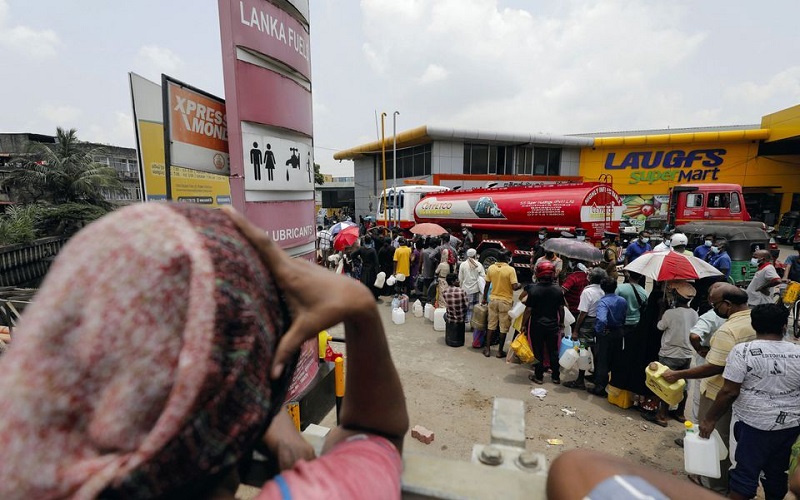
[[706, 202], [400, 202]]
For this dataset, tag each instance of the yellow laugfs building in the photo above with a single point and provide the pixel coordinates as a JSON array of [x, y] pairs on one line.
[[765, 161]]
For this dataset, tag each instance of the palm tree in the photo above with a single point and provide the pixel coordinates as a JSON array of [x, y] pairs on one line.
[[63, 173]]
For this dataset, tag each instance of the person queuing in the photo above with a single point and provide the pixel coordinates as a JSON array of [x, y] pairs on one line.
[[730, 303], [761, 287], [428, 265], [551, 257], [676, 349], [503, 280], [456, 313], [703, 251], [608, 328], [470, 274], [583, 330], [416, 264], [762, 384], [574, 284], [638, 247], [626, 368], [370, 266], [543, 312], [719, 258], [402, 263], [678, 243], [109, 393], [793, 266], [442, 271]]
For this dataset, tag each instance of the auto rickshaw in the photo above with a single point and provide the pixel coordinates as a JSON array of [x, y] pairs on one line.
[[743, 239], [787, 227]]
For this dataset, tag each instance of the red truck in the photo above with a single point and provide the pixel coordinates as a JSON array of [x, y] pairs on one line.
[[509, 217]]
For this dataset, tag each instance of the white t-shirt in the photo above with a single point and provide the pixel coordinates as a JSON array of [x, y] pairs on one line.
[[706, 325], [590, 296], [676, 323], [769, 371], [761, 278]]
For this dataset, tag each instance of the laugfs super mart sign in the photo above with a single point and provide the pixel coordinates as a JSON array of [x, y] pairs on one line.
[[267, 69]]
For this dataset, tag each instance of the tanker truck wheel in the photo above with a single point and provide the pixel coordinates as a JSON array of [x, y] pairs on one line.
[[489, 256]]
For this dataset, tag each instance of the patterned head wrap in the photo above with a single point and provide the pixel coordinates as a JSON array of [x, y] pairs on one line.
[[142, 365]]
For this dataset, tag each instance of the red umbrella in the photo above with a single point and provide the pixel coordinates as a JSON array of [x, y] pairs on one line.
[[669, 265], [345, 238]]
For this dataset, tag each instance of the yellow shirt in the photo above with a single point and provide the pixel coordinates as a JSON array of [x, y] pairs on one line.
[[403, 258], [502, 277], [735, 330]]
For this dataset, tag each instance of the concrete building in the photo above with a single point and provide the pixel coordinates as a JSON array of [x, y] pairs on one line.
[[466, 158], [123, 160]]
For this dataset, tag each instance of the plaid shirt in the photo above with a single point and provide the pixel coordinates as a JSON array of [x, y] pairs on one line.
[[457, 304]]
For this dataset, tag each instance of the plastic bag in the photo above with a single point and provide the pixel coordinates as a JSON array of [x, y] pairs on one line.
[[478, 338], [569, 320], [522, 349], [480, 315]]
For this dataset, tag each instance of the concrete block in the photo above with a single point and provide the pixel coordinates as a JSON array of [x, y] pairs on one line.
[[508, 422], [422, 434]]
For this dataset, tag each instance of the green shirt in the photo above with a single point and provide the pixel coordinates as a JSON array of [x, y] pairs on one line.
[[625, 291]]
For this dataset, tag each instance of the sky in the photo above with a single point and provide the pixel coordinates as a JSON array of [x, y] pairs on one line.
[[528, 66]]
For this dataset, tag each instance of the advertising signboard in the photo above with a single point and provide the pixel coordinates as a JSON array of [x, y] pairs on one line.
[[187, 185]]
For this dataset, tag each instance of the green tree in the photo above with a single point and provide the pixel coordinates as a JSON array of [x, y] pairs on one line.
[[319, 179], [63, 173]]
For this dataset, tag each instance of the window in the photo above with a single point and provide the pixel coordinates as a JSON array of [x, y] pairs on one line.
[[488, 159], [694, 200], [718, 200], [411, 162], [736, 206]]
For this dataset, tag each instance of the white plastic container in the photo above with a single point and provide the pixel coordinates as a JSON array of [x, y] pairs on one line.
[[702, 456], [390, 281], [400, 277], [438, 319], [398, 316], [569, 359], [585, 360], [417, 309], [516, 310], [428, 311], [380, 280]]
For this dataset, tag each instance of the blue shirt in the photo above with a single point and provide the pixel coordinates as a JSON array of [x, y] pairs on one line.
[[722, 261], [611, 312], [702, 252], [635, 250]]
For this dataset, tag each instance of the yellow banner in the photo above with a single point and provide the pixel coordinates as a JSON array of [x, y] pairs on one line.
[[191, 186]]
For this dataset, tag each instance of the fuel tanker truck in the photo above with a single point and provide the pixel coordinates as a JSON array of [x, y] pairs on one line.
[[509, 217]]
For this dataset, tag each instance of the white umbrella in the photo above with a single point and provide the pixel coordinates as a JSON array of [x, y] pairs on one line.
[[668, 265]]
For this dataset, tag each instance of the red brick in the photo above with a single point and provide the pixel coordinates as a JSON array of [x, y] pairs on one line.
[[422, 434]]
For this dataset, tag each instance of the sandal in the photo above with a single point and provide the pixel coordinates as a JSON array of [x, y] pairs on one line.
[[574, 384], [535, 380], [651, 417], [677, 416], [695, 479]]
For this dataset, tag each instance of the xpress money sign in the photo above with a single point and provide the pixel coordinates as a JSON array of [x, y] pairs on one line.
[[676, 165]]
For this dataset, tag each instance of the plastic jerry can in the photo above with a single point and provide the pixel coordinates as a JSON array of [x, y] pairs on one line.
[[398, 316], [619, 397], [428, 312], [569, 359], [516, 310], [792, 292], [702, 456], [585, 360], [438, 319], [671, 394], [418, 309], [380, 280]]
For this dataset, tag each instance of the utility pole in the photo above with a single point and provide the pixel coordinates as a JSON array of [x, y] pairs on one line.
[[383, 152], [394, 160]]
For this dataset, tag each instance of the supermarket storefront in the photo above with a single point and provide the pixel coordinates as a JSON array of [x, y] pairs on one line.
[[764, 160]]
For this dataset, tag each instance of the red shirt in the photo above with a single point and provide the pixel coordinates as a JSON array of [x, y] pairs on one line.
[[573, 286]]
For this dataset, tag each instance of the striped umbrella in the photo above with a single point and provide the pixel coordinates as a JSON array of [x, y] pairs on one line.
[[669, 265]]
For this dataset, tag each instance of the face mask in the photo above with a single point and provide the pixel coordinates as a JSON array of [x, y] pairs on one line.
[[580, 238], [604, 243], [667, 243], [708, 243], [645, 240], [582, 267], [542, 236], [754, 261], [717, 311], [715, 249]]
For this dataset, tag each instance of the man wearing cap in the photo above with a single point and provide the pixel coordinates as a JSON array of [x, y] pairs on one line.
[[610, 254], [676, 348], [678, 242], [470, 274]]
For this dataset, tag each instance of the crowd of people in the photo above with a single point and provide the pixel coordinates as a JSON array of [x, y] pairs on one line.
[[694, 328], [159, 349]]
